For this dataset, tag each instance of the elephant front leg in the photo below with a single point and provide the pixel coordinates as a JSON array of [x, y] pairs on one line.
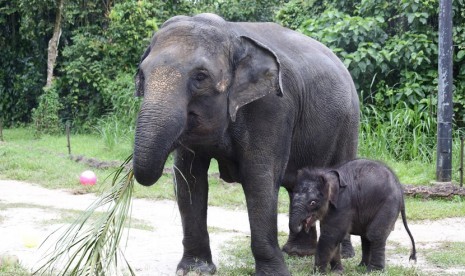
[[262, 196], [191, 187]]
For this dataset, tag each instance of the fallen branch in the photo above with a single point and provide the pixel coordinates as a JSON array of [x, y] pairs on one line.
[[435, 191]]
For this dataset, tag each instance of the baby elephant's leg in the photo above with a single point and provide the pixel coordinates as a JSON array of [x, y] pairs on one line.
[[378, 251], [378, 232], [365, 251], [328, 244], [336, 264]]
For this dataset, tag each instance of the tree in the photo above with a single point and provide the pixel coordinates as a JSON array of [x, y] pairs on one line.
[[53, 44]]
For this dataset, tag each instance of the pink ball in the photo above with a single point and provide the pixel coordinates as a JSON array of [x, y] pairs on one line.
[[88, 178]]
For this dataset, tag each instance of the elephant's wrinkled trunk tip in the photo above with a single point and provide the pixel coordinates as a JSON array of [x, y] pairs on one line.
[[295, 227], [144, 178]]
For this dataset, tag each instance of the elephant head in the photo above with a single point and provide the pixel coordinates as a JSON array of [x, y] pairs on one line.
[[194, 77], [314, 192]]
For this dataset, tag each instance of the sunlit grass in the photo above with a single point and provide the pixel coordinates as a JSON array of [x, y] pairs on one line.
[[421, 209], [448, 255], [236, 259]]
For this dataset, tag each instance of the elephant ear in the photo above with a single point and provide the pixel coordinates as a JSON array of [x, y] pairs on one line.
[[257, 74], [139, 79], [333, 183]]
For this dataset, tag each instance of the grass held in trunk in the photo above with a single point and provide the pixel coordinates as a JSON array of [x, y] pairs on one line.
[[92, 248]]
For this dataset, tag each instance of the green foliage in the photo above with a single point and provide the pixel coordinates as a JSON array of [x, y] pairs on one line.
[[400, 134], [118, 126], [390, 48], [23, 28], [96, 58], [295, 12], [46, 115], [240, 11]]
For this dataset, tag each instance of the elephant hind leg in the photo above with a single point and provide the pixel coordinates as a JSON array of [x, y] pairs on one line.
[[347, 250], [378, 255], [366, 254]]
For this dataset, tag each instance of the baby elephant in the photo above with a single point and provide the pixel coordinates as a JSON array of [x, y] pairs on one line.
[[361, 197]]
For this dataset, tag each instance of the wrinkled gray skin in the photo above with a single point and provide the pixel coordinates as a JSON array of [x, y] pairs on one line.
[[361, 197], [260, 99]]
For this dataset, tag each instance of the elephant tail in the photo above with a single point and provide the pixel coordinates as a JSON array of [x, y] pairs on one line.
[[413, 253]]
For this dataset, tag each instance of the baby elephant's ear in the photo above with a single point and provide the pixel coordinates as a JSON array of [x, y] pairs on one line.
[[332, 180]]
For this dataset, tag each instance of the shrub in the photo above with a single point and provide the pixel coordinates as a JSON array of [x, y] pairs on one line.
[[45, 116]]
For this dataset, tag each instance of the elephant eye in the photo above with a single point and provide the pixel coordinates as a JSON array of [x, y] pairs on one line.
[[313, 203], [200, 76]]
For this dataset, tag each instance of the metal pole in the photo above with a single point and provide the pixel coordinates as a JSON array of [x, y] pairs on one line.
[[461, 162], [1, 129], [444, 139], [68, 138]]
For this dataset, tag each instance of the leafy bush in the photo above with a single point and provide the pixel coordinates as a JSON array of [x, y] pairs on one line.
[[400, 134], [118, 126], [241, 11], [45, 116], [96, 58], [390, 48]]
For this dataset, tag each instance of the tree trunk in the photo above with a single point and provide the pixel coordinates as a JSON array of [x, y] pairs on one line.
[[53, 44]]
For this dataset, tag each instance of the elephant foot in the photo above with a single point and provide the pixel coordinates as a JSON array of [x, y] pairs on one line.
[[347, 250], [277, 268], [195, 267], [296, 249], [301, 244], [371, 268], [337, 268]]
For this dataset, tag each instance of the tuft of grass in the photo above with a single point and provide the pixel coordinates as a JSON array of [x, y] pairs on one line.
[[404, 138], [422, 209], [85, 249], [236, 259], [400, 134], [9, 265], [448, 255], [114, 132]]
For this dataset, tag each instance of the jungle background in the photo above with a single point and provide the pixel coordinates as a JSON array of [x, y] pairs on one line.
[[389, 47]]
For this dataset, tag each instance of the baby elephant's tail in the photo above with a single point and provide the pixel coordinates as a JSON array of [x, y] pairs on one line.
[[413, 254]]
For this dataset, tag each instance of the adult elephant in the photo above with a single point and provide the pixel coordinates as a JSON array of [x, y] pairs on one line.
[[262, 100]]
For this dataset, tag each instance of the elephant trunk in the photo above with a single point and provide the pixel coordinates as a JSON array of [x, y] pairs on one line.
[[158, 128], [295, 220]]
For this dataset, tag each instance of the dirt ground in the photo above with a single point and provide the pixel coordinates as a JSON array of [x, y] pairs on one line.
[[29, 213]]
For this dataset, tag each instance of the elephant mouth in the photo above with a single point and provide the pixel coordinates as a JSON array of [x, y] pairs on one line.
[[309, 222]]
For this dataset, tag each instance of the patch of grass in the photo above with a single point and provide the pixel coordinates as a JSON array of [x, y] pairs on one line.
[[422, 209], [237, 259], [67, 216], [9, 265], [448, 255], [44, 161]]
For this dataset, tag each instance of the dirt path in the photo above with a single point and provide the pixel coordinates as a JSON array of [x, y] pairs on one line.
[[30, 212]]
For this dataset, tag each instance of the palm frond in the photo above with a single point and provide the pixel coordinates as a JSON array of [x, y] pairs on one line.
[[87, 248]]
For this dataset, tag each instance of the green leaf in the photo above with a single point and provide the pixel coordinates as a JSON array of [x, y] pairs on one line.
[[461, 54], [410, 18]]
